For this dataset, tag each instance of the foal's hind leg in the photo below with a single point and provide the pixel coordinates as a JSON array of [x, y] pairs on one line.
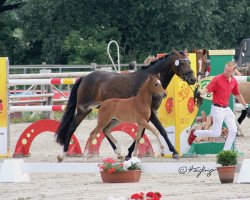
[[74, 124], [137, 140], [101, 124], [107, 132]]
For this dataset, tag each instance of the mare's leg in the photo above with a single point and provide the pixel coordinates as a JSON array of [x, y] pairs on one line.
[[74, 124], [156, 133], [154, 119], [137, 140], [107, 132], [239, 121], [242, 116]]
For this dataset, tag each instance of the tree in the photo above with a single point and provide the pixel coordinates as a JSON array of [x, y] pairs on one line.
[[13, 6], [51, 30]]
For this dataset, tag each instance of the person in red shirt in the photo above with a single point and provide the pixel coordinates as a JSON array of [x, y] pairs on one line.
[[221, 86]]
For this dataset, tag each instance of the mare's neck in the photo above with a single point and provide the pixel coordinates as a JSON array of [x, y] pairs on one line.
[[164, 68]]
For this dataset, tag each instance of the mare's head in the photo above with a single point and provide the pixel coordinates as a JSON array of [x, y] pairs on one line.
[[201, 61], [154, 85], [181, 67]]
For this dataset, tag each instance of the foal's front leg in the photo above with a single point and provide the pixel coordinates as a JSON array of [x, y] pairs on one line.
[[157, 135]]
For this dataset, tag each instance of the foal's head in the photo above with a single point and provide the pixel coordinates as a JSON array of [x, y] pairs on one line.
[[154, 85]]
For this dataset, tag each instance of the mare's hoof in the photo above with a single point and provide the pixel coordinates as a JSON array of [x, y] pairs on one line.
[[127, 158], [59, 159], [162, 154], [176, 156]]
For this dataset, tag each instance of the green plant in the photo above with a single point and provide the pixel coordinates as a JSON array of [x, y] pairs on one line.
[[227, 158]]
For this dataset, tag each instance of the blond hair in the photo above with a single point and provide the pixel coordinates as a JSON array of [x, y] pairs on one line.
[[231, 64]]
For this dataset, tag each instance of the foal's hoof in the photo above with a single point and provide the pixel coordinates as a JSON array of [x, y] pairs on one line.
[[176, 156], [120, 157], [89, 155], [162, 154], [59, 158]]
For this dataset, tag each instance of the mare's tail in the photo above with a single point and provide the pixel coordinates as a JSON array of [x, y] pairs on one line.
[[68, 116]]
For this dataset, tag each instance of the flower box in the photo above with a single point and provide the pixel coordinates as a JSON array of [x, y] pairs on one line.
[[121, 177]]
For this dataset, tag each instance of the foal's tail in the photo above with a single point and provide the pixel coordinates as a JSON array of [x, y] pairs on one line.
[[68, 116]]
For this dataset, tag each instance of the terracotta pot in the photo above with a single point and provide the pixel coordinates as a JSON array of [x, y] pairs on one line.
[[121, 177], [226, 174]]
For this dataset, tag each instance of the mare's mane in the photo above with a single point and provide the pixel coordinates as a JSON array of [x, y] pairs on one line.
[[161, 58]]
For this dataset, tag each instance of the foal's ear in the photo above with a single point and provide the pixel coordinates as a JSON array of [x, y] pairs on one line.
[[150, 76], [158, 75]]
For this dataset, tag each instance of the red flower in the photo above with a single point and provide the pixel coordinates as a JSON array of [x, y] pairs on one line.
[[108, 160], [158, 194], [112, 170], [153, 196], [149, 196], [138, 196]]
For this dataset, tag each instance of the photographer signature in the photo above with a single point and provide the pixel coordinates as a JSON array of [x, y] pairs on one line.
[[199, 170]]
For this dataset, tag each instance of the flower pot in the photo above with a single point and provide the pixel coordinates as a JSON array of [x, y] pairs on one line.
[[226, 174], [121, 177]]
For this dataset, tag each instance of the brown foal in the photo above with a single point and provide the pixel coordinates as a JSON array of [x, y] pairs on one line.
[[136, 109]]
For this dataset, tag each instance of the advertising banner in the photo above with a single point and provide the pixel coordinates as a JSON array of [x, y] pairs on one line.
[[3, 107], [178, 111]]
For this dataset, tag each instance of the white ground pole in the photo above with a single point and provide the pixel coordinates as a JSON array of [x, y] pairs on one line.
[[244, 175], [16, 170]]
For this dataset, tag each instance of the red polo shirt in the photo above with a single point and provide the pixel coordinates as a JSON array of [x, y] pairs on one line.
[[222, 88]]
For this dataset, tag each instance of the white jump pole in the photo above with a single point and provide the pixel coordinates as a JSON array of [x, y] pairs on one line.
[[56, 108], [53, 81]]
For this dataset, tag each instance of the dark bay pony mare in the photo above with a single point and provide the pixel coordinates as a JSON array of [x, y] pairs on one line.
[[136, 109], [101, 85]]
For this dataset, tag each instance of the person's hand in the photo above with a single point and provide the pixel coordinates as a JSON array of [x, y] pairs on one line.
[[197, 93], [197, 97], [248, 112]]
